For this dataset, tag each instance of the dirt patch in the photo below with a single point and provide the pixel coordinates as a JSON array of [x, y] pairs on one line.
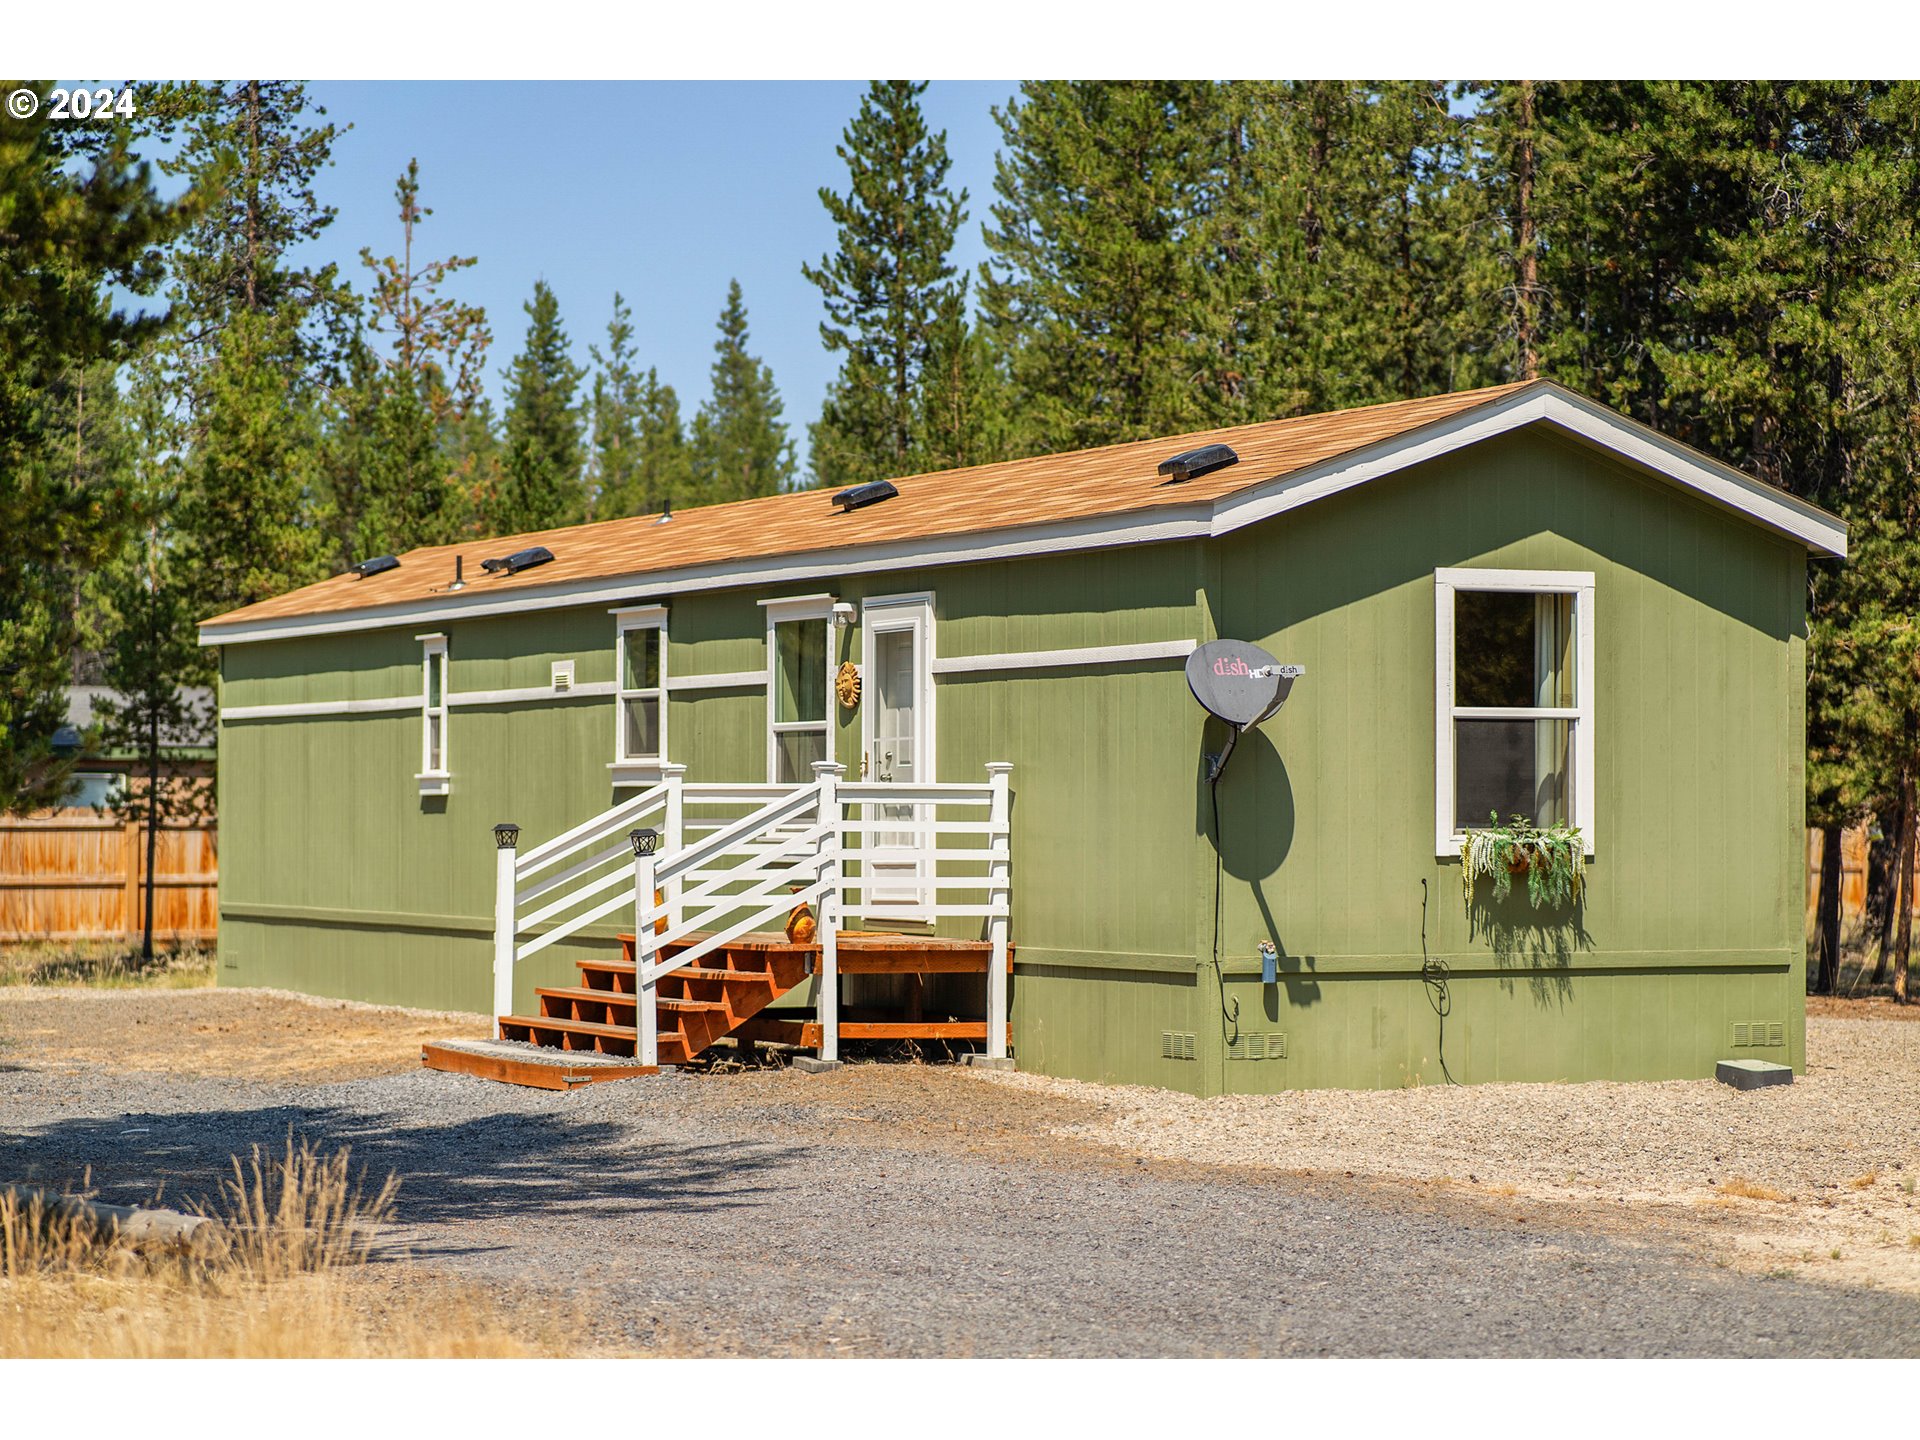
[[1866, 1007], [233, 1034]]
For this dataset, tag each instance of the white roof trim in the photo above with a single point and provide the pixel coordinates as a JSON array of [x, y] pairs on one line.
[[1628, 440], [1545, 403]]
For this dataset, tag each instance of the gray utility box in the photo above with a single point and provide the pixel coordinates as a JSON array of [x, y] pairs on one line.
[[1752, 1074]]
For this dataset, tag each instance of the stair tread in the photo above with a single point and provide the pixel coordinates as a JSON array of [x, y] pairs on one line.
[[622, 997], [699, 972], [577, 1027]]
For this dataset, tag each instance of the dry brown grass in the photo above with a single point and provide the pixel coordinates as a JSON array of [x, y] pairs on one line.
[[1741, 1188], [1866, 1181], [104, 965], [288, 1278]]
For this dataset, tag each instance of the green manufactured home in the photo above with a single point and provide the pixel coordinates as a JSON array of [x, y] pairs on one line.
[[1641, 607]]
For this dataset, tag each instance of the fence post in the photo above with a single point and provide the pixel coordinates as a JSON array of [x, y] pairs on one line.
[[506, 839], [826, 778], [675, 834], [646, 1014], [1000, 893]]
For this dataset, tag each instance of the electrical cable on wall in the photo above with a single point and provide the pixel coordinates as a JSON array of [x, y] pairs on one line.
[[1229, 1019], [1436, 974]]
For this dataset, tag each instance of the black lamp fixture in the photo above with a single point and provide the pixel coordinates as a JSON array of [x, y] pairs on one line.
[[644, 842], [506, 836]]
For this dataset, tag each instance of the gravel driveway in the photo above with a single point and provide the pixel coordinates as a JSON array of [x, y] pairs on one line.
[[907, 1210]]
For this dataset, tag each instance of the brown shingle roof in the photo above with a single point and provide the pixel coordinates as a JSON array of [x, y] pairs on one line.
[[1112, 480]]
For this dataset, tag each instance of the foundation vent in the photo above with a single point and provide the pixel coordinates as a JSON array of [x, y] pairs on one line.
[[1269, 1046], [1758, 1034], [1176, 1045]]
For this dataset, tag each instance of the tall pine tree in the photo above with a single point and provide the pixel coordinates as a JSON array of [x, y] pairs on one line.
[[739, 447], [416, 399], [83, 222], [886, 287], [639, 462], [544, 461], [1092, 294]]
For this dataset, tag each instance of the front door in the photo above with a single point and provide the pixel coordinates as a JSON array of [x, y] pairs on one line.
[[899, 750]]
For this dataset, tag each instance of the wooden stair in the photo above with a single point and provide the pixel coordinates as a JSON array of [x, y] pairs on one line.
[[697, 1005]]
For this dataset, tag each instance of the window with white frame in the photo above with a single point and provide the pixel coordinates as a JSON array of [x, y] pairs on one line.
[[1514, 700], [435, 772], [641, 701], [797, 664]]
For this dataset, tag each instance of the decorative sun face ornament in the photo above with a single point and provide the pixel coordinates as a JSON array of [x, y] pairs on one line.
[[846, 685]]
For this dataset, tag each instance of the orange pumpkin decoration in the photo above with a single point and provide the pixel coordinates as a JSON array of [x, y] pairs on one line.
[[801, 926]]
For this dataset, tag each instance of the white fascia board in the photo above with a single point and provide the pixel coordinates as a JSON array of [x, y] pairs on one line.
[[1640, 446]]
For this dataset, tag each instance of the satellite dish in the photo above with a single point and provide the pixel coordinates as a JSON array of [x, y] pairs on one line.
[[1240, 683]]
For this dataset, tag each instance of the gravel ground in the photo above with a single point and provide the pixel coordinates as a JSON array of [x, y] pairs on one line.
[[924, 1210], [1767, 1178]]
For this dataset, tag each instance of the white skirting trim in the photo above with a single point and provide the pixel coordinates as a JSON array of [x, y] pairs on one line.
[[1065, 659]]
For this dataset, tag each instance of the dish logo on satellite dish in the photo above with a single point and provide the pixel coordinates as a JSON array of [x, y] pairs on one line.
[[1232, 665]]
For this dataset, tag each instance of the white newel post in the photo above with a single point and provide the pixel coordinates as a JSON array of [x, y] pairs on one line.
[[675, 835], [646, 1016], [1000, 876], [506, 839], [826, 779]]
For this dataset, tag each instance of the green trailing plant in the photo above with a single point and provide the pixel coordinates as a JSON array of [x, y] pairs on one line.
[[1552, 857]]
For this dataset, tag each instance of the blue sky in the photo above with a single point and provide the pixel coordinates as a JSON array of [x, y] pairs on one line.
[[662, 191]]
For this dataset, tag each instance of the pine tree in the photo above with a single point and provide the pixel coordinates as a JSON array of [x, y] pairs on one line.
[[544, 461], [639, 458], [418, 400], [739, 447], [82, 220], [1091, 294], [885, 286]]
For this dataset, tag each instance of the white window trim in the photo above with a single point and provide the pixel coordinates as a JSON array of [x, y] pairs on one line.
[[630, 768], [780, 612], [433, 650], [1577, 583]]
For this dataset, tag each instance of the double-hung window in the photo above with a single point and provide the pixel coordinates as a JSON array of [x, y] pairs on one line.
[[640, 707], [1514, 701], [436, 774], [797, 661]]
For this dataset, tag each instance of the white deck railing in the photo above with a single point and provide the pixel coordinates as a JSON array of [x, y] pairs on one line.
[[896, 847]]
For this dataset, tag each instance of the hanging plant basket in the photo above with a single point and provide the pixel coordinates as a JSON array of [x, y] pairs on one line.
[[1552, 857]]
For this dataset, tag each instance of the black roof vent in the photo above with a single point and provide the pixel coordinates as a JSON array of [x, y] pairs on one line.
[[872, 493], [518, 561], [1204, 461], [379, 565]]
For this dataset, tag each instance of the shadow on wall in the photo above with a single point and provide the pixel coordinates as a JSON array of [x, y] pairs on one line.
[[1254, 830], [1537, 943]]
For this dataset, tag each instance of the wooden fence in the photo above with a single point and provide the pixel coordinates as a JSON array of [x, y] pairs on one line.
[[70, 875]]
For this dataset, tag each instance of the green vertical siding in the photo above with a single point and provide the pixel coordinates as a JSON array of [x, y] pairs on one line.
[[340, 879]]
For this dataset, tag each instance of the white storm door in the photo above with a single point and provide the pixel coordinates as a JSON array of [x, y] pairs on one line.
[[898, 864]]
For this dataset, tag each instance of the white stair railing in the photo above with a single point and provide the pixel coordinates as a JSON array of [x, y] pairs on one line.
[[822, 844]]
